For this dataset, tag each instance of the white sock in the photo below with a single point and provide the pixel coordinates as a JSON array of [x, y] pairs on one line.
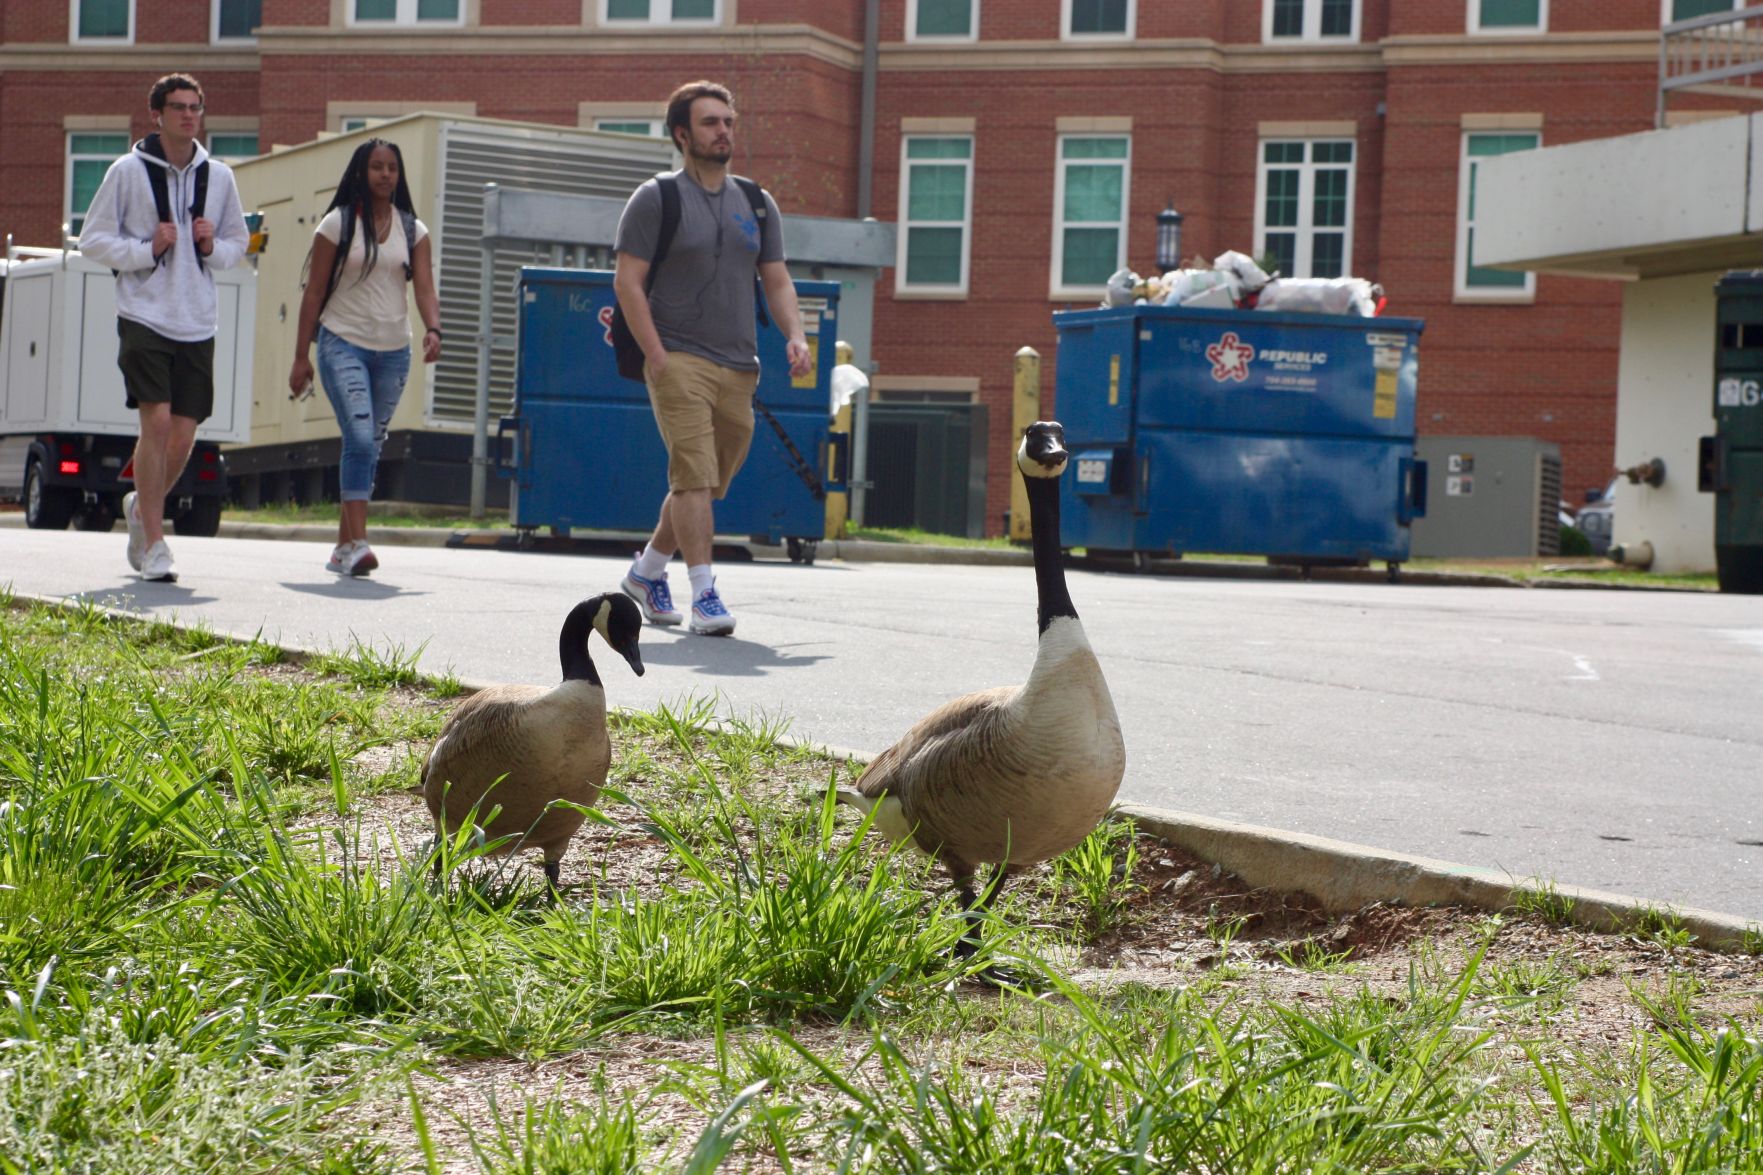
[[651, 564], [702, 579]]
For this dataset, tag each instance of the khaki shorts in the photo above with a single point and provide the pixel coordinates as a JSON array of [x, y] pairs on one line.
[[158, 370], [705, 413]]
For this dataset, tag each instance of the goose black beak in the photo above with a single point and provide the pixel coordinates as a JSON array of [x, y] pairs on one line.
[[633, 658], [1044, 443]]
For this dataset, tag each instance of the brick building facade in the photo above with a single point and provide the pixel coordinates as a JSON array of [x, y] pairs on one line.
[[1024, 146]]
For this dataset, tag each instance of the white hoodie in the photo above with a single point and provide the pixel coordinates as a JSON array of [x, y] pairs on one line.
[[173, 296]]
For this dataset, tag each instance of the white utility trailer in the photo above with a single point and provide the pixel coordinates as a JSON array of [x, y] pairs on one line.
[[66, 432]]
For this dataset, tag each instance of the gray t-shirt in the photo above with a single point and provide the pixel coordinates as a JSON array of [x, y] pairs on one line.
[[702, 298]]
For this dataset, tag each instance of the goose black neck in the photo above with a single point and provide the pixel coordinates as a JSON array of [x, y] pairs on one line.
[[572, 643], [1043, 520]]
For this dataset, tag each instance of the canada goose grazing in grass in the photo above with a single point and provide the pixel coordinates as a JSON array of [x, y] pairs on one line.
[[542, 744], [1019, 774]]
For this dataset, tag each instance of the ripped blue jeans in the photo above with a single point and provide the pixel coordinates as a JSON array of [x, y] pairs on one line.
[[363, 387]]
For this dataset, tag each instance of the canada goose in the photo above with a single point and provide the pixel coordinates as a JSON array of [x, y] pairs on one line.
[[1019, 774], [549, 744]]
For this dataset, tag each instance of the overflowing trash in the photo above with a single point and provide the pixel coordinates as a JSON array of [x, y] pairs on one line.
[[1236, 281]]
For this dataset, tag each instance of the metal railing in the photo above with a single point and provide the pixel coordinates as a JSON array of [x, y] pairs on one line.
[[1720, 48]]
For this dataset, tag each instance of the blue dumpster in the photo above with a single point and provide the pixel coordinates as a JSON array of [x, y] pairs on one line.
[[1232, 431], [588, 456]]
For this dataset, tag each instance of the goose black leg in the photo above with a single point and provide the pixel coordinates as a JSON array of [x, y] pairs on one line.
[[968, 943], [554, 875]]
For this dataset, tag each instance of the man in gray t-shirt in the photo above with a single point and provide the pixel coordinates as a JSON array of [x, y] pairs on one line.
[[697, 328]]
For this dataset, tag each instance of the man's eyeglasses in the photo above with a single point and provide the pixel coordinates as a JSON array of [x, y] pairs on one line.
[[183, 107]]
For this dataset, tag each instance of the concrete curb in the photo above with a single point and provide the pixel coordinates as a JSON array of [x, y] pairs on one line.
[[1344, 877]]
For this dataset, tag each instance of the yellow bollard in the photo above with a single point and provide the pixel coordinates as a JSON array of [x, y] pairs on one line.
[[838, 502], [1025, 410]]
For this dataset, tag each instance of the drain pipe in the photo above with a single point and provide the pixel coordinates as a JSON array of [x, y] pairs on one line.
[[866, 129]]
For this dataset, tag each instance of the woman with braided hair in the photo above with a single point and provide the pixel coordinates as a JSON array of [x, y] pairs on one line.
[[364, 251]]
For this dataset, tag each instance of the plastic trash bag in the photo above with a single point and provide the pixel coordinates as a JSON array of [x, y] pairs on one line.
[[1250, 276], [1120, 288], [1321, 295], [1182, 286]]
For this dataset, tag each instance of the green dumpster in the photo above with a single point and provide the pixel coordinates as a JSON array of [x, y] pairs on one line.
[[1731, 461]]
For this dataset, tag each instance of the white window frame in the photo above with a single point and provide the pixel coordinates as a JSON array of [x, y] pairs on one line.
[[1065, 33], [1461, 290], [226, 158], [68, 159], [1541, 26], [657, 124], [959, 288], [214, 37], [1312, 34], [73, 28], [1665, 10], [405, 18], [1306, 229], [1056, 285], [912, 33], [661, 22]]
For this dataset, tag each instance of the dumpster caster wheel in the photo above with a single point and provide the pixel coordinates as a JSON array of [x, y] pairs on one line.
[[524, 539], [803, 551], [1393, 572], [560, 532], [1141, 561]]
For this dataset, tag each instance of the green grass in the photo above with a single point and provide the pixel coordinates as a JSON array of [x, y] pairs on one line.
[[213, 956], [325, 514]]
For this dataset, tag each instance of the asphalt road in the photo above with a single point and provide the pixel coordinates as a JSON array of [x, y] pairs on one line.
[[1604, 738]]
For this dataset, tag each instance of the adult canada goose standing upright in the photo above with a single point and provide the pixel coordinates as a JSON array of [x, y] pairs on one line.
[[1019, 774], [542, 744]]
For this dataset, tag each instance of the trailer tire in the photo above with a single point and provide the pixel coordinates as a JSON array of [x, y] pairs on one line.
[[46, 507], [201, 520]]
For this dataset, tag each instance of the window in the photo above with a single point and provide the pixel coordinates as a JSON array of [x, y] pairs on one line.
[[1304, 206], [1089, 211], [229, 146], [652, 128], [1472, 280], [1098, 18], [89, 156], [942, 20], [358, 122], [1508, 16], [102, 20], [1676, 10], [936, 213], [237, 20], [660, 12], [1309, 20], [405, 12]]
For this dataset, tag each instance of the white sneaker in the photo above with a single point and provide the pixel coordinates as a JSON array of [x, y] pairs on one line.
[[131, 513], [710, 615], [353, 558], [156, 564]]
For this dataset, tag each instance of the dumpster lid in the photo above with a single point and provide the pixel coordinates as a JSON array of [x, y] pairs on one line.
[[1740, 281]]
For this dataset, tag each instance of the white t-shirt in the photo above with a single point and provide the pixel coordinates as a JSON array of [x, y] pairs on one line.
[[373, 313]]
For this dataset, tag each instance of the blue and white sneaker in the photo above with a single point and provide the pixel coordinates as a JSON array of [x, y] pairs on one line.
[[652, 597], [710, 616]]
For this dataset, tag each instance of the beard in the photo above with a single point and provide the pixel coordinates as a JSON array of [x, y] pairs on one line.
[[714, 153]]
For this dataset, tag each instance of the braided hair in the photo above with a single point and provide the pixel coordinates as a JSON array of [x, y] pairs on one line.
[[355, 200]]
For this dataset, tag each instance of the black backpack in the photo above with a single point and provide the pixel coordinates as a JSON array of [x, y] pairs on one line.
[[624, 344], [162, 192]]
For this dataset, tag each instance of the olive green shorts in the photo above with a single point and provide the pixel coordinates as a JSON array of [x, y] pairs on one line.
[[158, 370]]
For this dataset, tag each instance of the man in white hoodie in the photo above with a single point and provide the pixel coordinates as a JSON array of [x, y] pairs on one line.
[[165, 217]]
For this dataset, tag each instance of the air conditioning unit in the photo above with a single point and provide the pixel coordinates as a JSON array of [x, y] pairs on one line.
[[1489, 497]]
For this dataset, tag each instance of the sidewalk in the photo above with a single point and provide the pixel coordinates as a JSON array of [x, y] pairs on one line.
[[869, 551]]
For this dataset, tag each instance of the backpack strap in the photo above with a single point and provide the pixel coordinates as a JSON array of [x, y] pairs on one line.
[[199, 191], [756, 197], [409, 219], [668, 185]]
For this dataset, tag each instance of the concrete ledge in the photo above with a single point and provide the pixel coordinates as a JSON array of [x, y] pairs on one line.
[[1346, 877]]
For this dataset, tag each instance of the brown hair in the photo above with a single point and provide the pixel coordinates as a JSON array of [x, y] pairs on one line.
[[170, 82], [679, 104]]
